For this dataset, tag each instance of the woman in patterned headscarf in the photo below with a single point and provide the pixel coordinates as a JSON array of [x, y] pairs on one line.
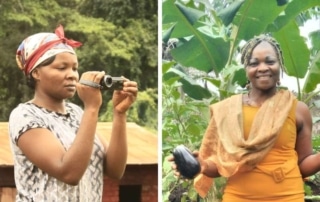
[[259, 141], [57, 155]]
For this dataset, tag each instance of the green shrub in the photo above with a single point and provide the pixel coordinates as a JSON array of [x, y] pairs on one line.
[[143, 111]]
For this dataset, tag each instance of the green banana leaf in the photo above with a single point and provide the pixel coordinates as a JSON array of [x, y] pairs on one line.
[[189, 86], [200, 51], [182, 16], [203, 52], [227, 14], [315, 39], [295, 50], [312, 79], [252, 19], [167, 34], [293, 9]]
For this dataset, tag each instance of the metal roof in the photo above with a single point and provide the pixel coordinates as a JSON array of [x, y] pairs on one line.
[[142, 144]]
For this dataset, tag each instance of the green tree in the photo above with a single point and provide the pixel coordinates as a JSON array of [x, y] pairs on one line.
[[125, 45]]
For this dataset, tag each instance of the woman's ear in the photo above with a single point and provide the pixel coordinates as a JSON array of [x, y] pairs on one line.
[[35, 74]]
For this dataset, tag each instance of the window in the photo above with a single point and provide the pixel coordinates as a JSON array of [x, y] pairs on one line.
[[130, 193]]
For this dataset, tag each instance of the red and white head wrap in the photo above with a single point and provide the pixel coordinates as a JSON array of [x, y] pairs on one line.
[[38, 47]]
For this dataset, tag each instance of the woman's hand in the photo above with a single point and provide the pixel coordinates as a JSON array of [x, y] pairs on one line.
[[175, 168], [88, 93], [123, 99]]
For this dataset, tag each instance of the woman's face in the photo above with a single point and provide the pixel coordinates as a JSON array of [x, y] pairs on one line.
[[263, 70], [58, 79]]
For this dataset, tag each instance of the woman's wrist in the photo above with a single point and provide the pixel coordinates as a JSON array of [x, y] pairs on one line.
[[117, 114], [204, 167], [209, 168]]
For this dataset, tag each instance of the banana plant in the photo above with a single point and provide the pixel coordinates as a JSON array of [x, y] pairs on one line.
[[208, 40], [198, 34]]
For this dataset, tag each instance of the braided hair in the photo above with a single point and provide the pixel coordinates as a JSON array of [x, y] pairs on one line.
[[247, 49]]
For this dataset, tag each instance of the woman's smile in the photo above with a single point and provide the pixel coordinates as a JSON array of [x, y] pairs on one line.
[[264, 77]]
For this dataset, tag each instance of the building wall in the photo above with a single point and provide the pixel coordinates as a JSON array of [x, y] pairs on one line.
[[144, 175]]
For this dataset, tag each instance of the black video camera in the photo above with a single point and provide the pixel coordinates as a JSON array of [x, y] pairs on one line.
[[111, 83]]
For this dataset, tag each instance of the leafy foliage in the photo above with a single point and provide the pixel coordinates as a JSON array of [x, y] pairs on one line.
[[184, 121], [207, 37], [124, 45], [141, 111]]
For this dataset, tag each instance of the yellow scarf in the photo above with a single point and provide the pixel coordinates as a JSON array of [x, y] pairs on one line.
[[224, 143]]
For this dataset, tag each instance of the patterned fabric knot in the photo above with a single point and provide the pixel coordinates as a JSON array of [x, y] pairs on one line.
[[39, 47]]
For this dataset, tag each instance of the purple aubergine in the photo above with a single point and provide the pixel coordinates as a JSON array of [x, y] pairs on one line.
[[187, 164]]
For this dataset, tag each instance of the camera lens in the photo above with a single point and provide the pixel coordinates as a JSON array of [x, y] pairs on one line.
[[107, 81], [111, 83]]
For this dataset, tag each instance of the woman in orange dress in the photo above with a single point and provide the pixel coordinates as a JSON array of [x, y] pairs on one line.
[[267, 152]]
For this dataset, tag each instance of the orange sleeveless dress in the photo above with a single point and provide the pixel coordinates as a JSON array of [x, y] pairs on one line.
[[277, 177]]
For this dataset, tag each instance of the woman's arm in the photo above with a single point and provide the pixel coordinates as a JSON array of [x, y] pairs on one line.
[[309, 163], [45, 151], [117, 149], [209, 169]]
